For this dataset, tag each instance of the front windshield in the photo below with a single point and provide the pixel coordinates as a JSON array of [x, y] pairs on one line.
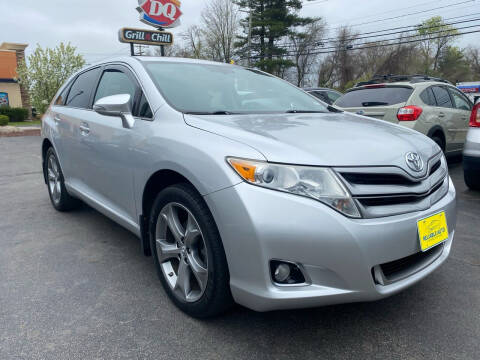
[[210, 89]]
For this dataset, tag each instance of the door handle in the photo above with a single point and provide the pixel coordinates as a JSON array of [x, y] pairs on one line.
[[57, 119], [84, 129], [442, 115]]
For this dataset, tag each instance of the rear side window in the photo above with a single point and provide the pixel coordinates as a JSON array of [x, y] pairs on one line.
[[82, 89], [63, 96], [427, 97], [442, 96], [382, 96], [460, 100]]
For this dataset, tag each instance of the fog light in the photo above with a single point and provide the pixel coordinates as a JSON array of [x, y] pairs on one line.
[[286, 273], [282, 273]]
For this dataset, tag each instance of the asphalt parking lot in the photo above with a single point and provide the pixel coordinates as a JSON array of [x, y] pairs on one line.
[[75, 286]]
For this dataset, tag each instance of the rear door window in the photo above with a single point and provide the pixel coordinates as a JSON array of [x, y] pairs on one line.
[[442, 96], [381, 96], [427, 97], [460, 101], [81, 92]]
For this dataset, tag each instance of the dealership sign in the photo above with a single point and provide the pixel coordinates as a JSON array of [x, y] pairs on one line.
[[146, 37], [470, 89], [160, 13]]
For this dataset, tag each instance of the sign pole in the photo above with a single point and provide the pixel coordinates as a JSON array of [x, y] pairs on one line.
[[132, 50], [162, 47]]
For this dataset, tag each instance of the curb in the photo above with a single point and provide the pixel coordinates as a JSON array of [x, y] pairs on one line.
[[29, 132]]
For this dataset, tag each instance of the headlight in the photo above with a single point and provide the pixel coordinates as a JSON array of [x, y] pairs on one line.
[[315, 182]]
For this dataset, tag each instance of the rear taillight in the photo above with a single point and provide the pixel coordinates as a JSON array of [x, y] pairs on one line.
[[409, 113], [475, 117]]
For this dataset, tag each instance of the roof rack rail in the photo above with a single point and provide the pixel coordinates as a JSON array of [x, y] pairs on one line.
[[416, 78]]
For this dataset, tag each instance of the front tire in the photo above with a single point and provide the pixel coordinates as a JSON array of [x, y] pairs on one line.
[[472, 179], [59, 197], [188, 252]]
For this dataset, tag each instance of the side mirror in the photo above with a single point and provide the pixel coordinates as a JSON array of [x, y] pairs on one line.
[[117, 106]]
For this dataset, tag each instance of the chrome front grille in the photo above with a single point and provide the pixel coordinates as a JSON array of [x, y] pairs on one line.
[[390, 190]]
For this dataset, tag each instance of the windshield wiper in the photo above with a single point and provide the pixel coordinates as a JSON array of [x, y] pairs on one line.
[[374, 103], [220, 112], [304, 112]]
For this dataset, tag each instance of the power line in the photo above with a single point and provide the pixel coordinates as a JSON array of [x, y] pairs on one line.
[[404, 15], [397, 32], [400, 43], [380, 45], [315, 2], [393, 10], [410, 36], [413, 26]]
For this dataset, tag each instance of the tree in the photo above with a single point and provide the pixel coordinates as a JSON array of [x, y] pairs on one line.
[[272, 21], [340, 68], [453, 65], [194, 42], [435, 36], [47, 70], [220, 28], [473, 58], [304, 44]]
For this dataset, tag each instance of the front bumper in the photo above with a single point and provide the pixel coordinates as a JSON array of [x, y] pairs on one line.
[[337, 253]]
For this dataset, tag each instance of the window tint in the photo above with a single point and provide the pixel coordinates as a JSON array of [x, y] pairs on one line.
[[322, 96], [460, 101], [383, 96], [144, 109], [442, 96], [333, 96], [82, 89], [63, 95], [427, 97], [115, 82]]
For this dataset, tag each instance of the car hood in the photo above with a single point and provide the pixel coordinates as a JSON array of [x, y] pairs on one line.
[[323, 139]]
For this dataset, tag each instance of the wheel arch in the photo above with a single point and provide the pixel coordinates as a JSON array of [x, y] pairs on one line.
[[437, 130], [46, 144], [157, 182]]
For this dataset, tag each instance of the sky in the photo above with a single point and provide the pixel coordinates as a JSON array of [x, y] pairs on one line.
[[92, 25]]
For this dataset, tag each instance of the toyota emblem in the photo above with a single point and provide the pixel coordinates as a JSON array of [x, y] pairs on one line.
[[414, 161]]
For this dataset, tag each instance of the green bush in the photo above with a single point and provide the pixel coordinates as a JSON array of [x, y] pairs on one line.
[[3, 120], [14, 114]]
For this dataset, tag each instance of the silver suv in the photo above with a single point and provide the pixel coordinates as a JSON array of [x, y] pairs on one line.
[[246, 189], [431, 106], [471, 153]]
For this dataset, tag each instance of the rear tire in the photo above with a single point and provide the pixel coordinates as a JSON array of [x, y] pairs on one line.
[[472, 179], [439, 141], [59, 196], [190, 259]]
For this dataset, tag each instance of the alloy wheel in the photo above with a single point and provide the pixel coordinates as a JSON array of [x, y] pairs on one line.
[[181, 252], [54, 180]]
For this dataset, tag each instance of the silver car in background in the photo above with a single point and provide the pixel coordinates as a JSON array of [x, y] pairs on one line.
[[246, 189], [471, 153]]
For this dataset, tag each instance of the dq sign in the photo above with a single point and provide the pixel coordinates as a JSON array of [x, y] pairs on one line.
[[160, 13]]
